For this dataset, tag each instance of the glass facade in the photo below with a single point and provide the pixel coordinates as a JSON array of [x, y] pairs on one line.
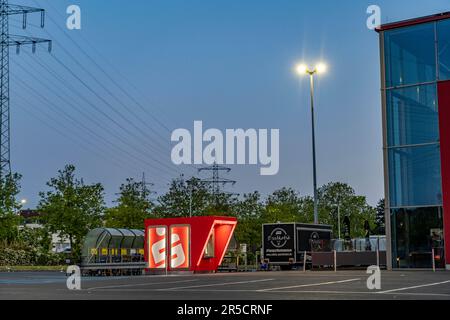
[[415, 59], [412, 116], [410, 55], [415, 176], [443, 32], [417, 231]]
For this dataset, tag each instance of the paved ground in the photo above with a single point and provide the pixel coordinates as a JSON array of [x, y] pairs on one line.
[[243, 286]]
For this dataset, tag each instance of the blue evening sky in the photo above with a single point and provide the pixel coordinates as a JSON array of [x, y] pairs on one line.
[[227, 63]]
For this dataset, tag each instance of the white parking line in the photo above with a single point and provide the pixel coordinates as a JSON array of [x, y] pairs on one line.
[[138, 285], [415, 287], [362, 293], [310, 285], [216, 284]]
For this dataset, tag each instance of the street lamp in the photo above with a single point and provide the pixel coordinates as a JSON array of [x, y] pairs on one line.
[[339, 220], [23, 202], [190, 199], [303, 69], [189, 183]]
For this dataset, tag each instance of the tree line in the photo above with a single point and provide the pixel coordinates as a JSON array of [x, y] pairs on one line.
[[70, 208]]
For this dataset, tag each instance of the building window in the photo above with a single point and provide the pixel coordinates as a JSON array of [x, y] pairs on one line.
[[415, 176], [410, 55], [415, 232], [210, 252], [443, 31], [412, 116]]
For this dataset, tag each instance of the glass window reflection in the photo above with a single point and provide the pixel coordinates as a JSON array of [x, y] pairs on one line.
[[414, 235], [410, 55], [443, 31], [412, 116], [415, 176]]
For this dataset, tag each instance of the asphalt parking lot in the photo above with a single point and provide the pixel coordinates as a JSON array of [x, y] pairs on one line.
[[348, 285]]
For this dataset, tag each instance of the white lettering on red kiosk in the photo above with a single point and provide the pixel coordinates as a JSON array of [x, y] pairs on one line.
[[157, 253], [179, 250]]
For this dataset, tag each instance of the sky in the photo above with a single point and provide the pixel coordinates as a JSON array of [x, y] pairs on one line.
[[109, 95]]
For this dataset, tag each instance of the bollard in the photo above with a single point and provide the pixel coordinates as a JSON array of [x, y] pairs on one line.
[[335, 261], [378, 258], [304, 262], [434, 261]]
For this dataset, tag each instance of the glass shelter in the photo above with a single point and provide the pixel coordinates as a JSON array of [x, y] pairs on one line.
[[112, 246]]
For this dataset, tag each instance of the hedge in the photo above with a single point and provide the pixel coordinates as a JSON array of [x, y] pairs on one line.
[[21, 257]]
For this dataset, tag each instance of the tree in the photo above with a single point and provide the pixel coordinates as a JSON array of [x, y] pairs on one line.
[[177, 201], [221, 204], [71, 208], [9, 220], [249, 211], [37, 238], [340, 195], [380, 219], [285, 205], [134, 206]]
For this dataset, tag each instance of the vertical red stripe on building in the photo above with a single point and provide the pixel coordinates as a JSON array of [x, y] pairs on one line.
[[444, 124]]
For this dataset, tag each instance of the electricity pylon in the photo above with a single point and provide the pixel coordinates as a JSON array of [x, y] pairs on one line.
[[8, 40], [216, 181]]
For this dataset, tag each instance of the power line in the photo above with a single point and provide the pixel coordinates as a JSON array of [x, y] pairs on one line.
[[82, 67], [64, 132], [110, 93], [112, 79], [57, 110], [118, 113], [82, 144], [71, 88], [61, 111], [87, 86], [133, 99], [103, 58]]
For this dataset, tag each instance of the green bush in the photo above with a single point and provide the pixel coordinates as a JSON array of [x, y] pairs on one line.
[[20, 257], [12, 257], [32, 248]]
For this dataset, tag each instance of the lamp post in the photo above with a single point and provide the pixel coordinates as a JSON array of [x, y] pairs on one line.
[[302, 69], [190, 200], [339, 220]]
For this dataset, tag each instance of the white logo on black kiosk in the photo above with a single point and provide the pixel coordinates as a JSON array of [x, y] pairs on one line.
[[278, 238], [315, 240]]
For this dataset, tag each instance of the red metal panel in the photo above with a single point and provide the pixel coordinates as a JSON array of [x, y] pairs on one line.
[[412, 22], [444, 124]]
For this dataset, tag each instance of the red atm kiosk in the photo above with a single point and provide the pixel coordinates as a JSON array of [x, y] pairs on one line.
[[195, 244]]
